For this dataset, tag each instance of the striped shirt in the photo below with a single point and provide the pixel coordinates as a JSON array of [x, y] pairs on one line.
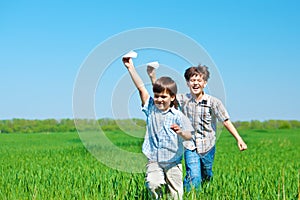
[[161, 143], [203, 116]]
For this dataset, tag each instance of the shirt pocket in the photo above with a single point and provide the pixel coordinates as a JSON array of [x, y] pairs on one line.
[[205, 114]]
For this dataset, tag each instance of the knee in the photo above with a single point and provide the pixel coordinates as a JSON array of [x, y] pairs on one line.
[[153, 186], [154, 189]]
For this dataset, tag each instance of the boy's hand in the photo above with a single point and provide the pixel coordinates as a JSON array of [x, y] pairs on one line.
[[127, 62], [151, 74], [242, 145], [186, 135], [150, 71], [175, 128]]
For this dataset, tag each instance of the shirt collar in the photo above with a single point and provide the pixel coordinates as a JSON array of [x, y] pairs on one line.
[[191, 98], [171, 110]]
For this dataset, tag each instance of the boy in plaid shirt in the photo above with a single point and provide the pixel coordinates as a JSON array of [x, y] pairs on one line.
[[203, 110]]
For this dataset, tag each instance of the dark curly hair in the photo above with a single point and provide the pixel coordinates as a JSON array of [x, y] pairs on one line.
[[201, 70]]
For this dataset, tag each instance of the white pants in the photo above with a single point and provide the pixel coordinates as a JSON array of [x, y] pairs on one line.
[[156, 177]]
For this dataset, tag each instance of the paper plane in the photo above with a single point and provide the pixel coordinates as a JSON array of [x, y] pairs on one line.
[[155, 64], [130, 54]]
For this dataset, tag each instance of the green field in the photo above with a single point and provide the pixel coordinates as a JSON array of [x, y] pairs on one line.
[[58, 166]]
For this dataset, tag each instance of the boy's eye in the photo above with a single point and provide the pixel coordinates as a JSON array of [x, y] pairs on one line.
[[194, 80], [161, 96]]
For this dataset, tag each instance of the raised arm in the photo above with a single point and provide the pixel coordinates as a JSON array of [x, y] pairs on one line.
[[151, 73], [144, 95], [230, 127]]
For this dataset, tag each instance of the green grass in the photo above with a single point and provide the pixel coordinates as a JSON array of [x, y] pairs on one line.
[[58, 166], [269, 169]]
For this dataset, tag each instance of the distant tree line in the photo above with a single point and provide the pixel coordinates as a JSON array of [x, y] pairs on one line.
[[269, 124], [68, 125]]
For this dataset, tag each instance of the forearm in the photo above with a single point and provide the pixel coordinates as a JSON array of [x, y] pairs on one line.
[[153, 78], [186, 135], [152, 74], [139, 84], [230, 127]]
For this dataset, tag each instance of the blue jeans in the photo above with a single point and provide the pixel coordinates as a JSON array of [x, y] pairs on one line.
[[198, 168]]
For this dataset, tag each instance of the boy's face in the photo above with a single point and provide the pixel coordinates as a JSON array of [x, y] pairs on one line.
[[163, 100], [196, 84]]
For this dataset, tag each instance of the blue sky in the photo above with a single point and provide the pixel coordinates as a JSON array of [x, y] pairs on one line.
[[254, 44]]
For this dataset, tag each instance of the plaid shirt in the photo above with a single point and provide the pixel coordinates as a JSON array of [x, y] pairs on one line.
[[161, 143], [203, 116]]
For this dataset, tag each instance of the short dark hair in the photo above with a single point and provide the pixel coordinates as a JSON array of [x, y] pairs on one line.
[[201, 70], [167, 84]]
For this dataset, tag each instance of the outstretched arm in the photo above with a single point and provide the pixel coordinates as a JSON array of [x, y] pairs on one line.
[[151, 74], [144, 95], [230, 127]]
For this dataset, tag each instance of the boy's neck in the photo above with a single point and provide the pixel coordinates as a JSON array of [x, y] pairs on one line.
[[198, 97]]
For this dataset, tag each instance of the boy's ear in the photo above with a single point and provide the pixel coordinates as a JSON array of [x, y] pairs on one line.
[[205, 84], [173, 98]]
